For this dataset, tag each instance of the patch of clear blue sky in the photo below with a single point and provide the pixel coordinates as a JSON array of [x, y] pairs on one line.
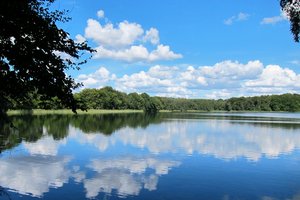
[[195, 29]]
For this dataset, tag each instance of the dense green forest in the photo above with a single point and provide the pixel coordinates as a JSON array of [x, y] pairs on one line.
[[108, 98]]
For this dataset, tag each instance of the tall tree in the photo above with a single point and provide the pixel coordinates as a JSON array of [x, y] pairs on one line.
[[292, 9], [35, 53]]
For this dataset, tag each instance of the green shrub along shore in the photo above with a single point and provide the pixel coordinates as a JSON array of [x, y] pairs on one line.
[[108, 100]]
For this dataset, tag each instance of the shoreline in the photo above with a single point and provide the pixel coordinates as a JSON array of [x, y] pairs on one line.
[[68, 112], [103, 111]]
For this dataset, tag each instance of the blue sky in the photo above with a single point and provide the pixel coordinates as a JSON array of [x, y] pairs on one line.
[[191, 49]]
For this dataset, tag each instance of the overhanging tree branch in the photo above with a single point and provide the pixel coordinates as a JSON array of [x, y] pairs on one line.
[[292, 9], [31, 45]]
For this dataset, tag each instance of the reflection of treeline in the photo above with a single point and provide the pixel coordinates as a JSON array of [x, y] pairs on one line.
[[108, 98], [107, 124], [32, 128], [262, 121], [285, 125]]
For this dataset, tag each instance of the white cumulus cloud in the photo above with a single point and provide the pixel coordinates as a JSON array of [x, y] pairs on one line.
[[123, 35], [158, 79], [126, 41], [97, 79], [232, 70], [222, 80], [275, 76], [190, 81], [137, 53]]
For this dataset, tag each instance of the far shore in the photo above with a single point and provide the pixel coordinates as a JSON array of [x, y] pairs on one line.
[[68, 112], [103, 111]]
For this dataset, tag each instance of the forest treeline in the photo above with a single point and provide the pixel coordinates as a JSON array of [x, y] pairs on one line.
[[109, 98]]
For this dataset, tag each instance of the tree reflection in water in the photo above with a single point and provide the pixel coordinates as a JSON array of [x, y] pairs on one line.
[[126, 155], [31, 128]]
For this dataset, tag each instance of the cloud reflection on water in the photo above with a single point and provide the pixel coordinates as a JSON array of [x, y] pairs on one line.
[[219, 138], [34, 175], [44, 146], [126, 175]]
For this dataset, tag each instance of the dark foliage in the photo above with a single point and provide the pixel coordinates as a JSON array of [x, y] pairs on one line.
[[108, 98], [31, 46], [292, 9]]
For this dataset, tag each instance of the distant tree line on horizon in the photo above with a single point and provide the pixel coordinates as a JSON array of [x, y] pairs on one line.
[[109, 98]]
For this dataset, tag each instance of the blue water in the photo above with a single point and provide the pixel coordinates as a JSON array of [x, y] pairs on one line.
[[169, 156]]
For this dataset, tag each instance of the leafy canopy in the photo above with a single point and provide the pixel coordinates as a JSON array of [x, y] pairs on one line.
[[35, 53], [292, 9]]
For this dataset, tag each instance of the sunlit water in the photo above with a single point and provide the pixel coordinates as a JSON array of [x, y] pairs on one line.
[[167, 156]]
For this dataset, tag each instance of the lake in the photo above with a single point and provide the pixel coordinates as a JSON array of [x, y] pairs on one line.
[[224, 156]]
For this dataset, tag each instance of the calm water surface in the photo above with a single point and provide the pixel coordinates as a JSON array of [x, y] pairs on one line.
[[166, 156]]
